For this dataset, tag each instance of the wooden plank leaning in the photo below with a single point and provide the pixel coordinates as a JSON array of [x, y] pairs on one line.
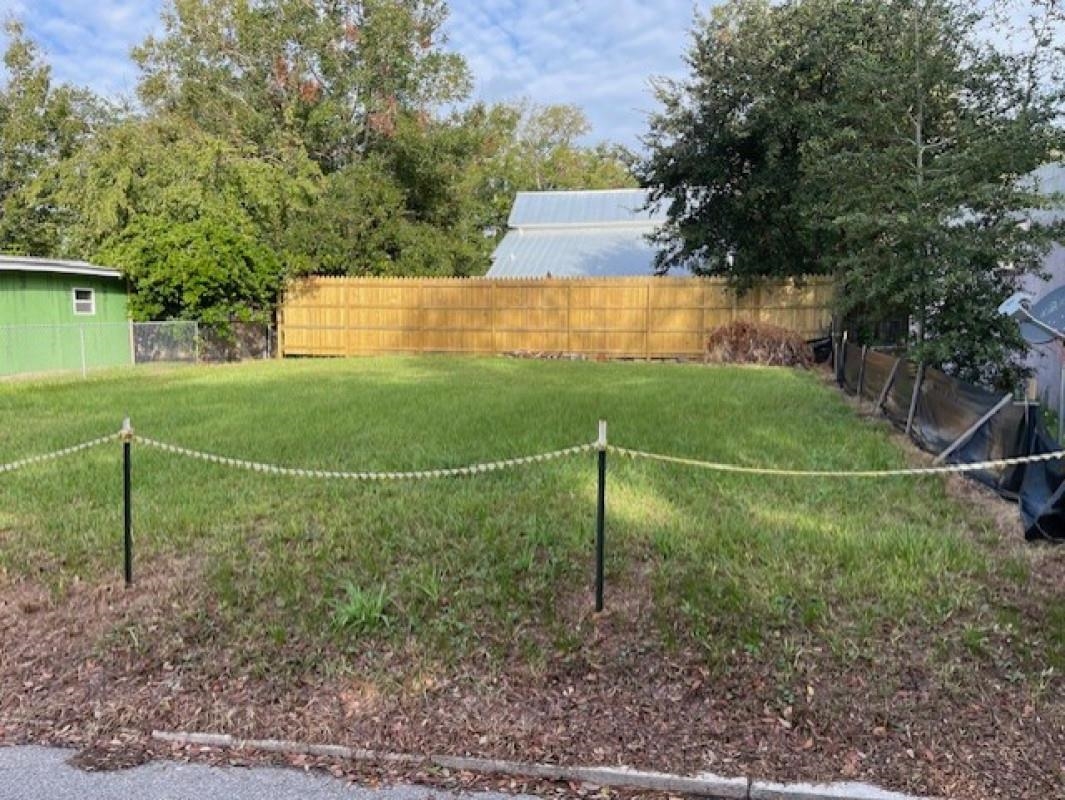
[[887, 386], [913, 400]]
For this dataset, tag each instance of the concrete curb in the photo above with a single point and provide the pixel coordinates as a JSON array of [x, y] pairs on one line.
[[708, 785], [764, 790]]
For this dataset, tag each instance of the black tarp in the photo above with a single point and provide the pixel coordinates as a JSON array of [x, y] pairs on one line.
[[821, 348], [1006, 435], [878, 367], [1042, 490], [897, 402], [946, 409], [852, 364]]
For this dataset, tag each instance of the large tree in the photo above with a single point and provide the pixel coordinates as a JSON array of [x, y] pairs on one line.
[[547, 151], [279, 137], [436, 199], [363, 224], [331, 75], [360, 86], [199, 225], [922, 182], [41, 124], [725, 151], [882, 142]]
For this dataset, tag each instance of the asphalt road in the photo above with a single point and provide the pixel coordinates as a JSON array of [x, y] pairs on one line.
[[39, 773]]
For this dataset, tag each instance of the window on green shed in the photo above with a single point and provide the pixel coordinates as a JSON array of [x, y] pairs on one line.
[[85, 302]]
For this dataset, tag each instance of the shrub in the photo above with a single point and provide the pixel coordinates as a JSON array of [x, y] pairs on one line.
[[746, 342]]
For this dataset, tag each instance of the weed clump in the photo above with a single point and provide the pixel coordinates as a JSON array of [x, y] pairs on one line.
[[362, 611]]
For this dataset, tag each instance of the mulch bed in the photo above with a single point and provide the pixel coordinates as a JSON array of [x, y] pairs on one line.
[[897, 720], [101, 668]]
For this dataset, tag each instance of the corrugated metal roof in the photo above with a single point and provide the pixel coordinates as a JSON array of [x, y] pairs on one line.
[[584, 208], [21, 264], [592, 253], [1051, 180]]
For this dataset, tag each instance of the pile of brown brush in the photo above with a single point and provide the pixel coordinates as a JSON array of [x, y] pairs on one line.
[[745, 342]]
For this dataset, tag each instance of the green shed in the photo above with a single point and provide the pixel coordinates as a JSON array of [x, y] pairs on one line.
[[61, 315]]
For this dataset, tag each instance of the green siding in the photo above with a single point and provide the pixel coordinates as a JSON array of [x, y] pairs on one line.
[[39, 331]]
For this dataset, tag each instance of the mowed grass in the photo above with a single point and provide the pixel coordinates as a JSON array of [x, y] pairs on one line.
[[493, 563]]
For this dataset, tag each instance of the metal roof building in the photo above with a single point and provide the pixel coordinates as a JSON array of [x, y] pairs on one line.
[[578, 234], [61, 315], [27, 264]]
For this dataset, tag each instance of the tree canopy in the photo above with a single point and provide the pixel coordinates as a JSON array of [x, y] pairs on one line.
[[331, 77], [277, 138], [886, 143], [41, 125]]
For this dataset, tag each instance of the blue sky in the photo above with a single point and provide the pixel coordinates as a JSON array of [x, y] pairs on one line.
[[599, 54]]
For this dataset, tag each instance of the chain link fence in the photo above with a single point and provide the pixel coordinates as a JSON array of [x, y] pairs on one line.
[[40, 349], [197, 342]]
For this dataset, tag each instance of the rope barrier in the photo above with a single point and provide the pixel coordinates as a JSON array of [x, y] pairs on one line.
[[495, 466], [295, 472], [840, 473], [56, 455]]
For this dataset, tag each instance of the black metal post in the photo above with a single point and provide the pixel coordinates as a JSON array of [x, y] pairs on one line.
[[127, 487], [600, 521]]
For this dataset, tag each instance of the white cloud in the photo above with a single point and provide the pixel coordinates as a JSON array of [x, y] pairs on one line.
[[88, 42], [599, 54]]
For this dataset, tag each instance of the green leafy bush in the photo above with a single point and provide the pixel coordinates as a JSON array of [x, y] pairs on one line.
[[206, 269]]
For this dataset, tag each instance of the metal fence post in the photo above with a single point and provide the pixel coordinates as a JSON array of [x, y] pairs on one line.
[[835, 353], [600, 519], [127, 496]]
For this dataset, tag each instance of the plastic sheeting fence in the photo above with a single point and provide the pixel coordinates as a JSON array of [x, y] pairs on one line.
[[968, 424]]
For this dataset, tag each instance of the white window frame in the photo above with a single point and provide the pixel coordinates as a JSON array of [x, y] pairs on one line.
[[92, 301]]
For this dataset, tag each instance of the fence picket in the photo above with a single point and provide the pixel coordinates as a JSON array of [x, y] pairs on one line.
[[649, 317]]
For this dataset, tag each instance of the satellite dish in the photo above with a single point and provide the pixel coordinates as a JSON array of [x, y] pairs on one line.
[[1017, 305], [1049, 310], [1033, 334]]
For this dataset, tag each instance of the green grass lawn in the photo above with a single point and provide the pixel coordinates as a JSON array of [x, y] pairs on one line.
[[494, 563]]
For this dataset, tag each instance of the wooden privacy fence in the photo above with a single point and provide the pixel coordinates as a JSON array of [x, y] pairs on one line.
[[648, 317]]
